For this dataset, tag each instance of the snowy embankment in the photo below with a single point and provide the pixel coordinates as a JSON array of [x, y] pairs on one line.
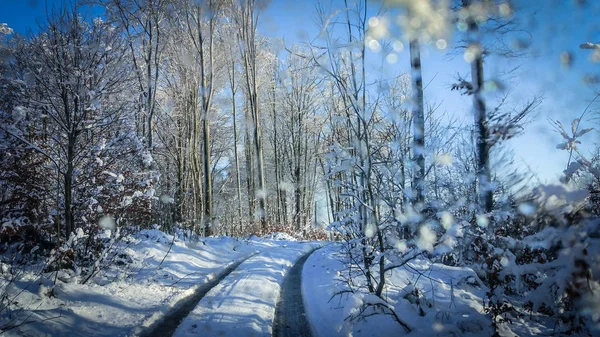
[[243, 304], [127, 299], [434, 299]]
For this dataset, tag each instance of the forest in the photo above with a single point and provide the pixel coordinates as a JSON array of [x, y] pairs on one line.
[[181, 128]]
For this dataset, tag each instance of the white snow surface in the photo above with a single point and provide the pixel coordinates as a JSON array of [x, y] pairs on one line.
[[243, 304], [451, 298], [126, 300], [279, 236]]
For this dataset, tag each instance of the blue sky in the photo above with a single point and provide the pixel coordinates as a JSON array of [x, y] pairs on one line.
[[557, 26], [21, 14]]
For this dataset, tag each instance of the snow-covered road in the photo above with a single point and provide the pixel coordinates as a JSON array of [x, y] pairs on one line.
[[167, 325], [290, 315], [244, 303]]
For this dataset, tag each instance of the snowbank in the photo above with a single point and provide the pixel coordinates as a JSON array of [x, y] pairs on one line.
[[450, 299], [124, 299]]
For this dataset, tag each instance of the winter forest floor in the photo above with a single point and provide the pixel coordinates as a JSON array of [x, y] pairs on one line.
[[232, 287]]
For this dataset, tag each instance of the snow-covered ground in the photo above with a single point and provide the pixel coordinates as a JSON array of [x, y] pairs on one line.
[[134, 298], [243, 304], [125, 301], [450, 297]]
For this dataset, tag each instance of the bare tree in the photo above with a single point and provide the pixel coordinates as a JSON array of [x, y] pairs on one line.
[[76, 77], [233, 85], [300, 131], [247, 18], [142, 23], [201, 21]]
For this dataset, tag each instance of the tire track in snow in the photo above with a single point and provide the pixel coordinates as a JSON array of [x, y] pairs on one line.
[[244, 303], [290, 317], [167, 326]]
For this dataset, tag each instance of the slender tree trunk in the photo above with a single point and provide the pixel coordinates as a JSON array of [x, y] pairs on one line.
[[69, 219], [260, 169], [207, 177], [249, 167], [235, 148], [180, 174], [71, 141], [329, 191], [195, 160], [486, 199], [149, 105], [306, 187], [418, 121], [297, 143], [276, 159], [297, 197]]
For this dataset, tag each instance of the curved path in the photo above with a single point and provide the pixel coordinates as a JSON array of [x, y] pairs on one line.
[[245, 302], [290, 318], [168, 325]]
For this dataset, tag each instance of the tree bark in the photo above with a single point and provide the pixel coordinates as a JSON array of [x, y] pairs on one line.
[[248, 152], [235, 145], [486, 199], [418, 121], [276, 159]]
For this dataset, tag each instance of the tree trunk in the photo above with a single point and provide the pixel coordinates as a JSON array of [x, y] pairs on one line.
[[260, 169], [276, 159], [71, 141], [486, 199], [69, 220], [248, 152], [208, 230], [418, 122], [235, 149], [149, 105], [178, 210]]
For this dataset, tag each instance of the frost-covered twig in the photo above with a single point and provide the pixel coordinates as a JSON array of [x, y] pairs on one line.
[[385, 307], [168, 251]]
